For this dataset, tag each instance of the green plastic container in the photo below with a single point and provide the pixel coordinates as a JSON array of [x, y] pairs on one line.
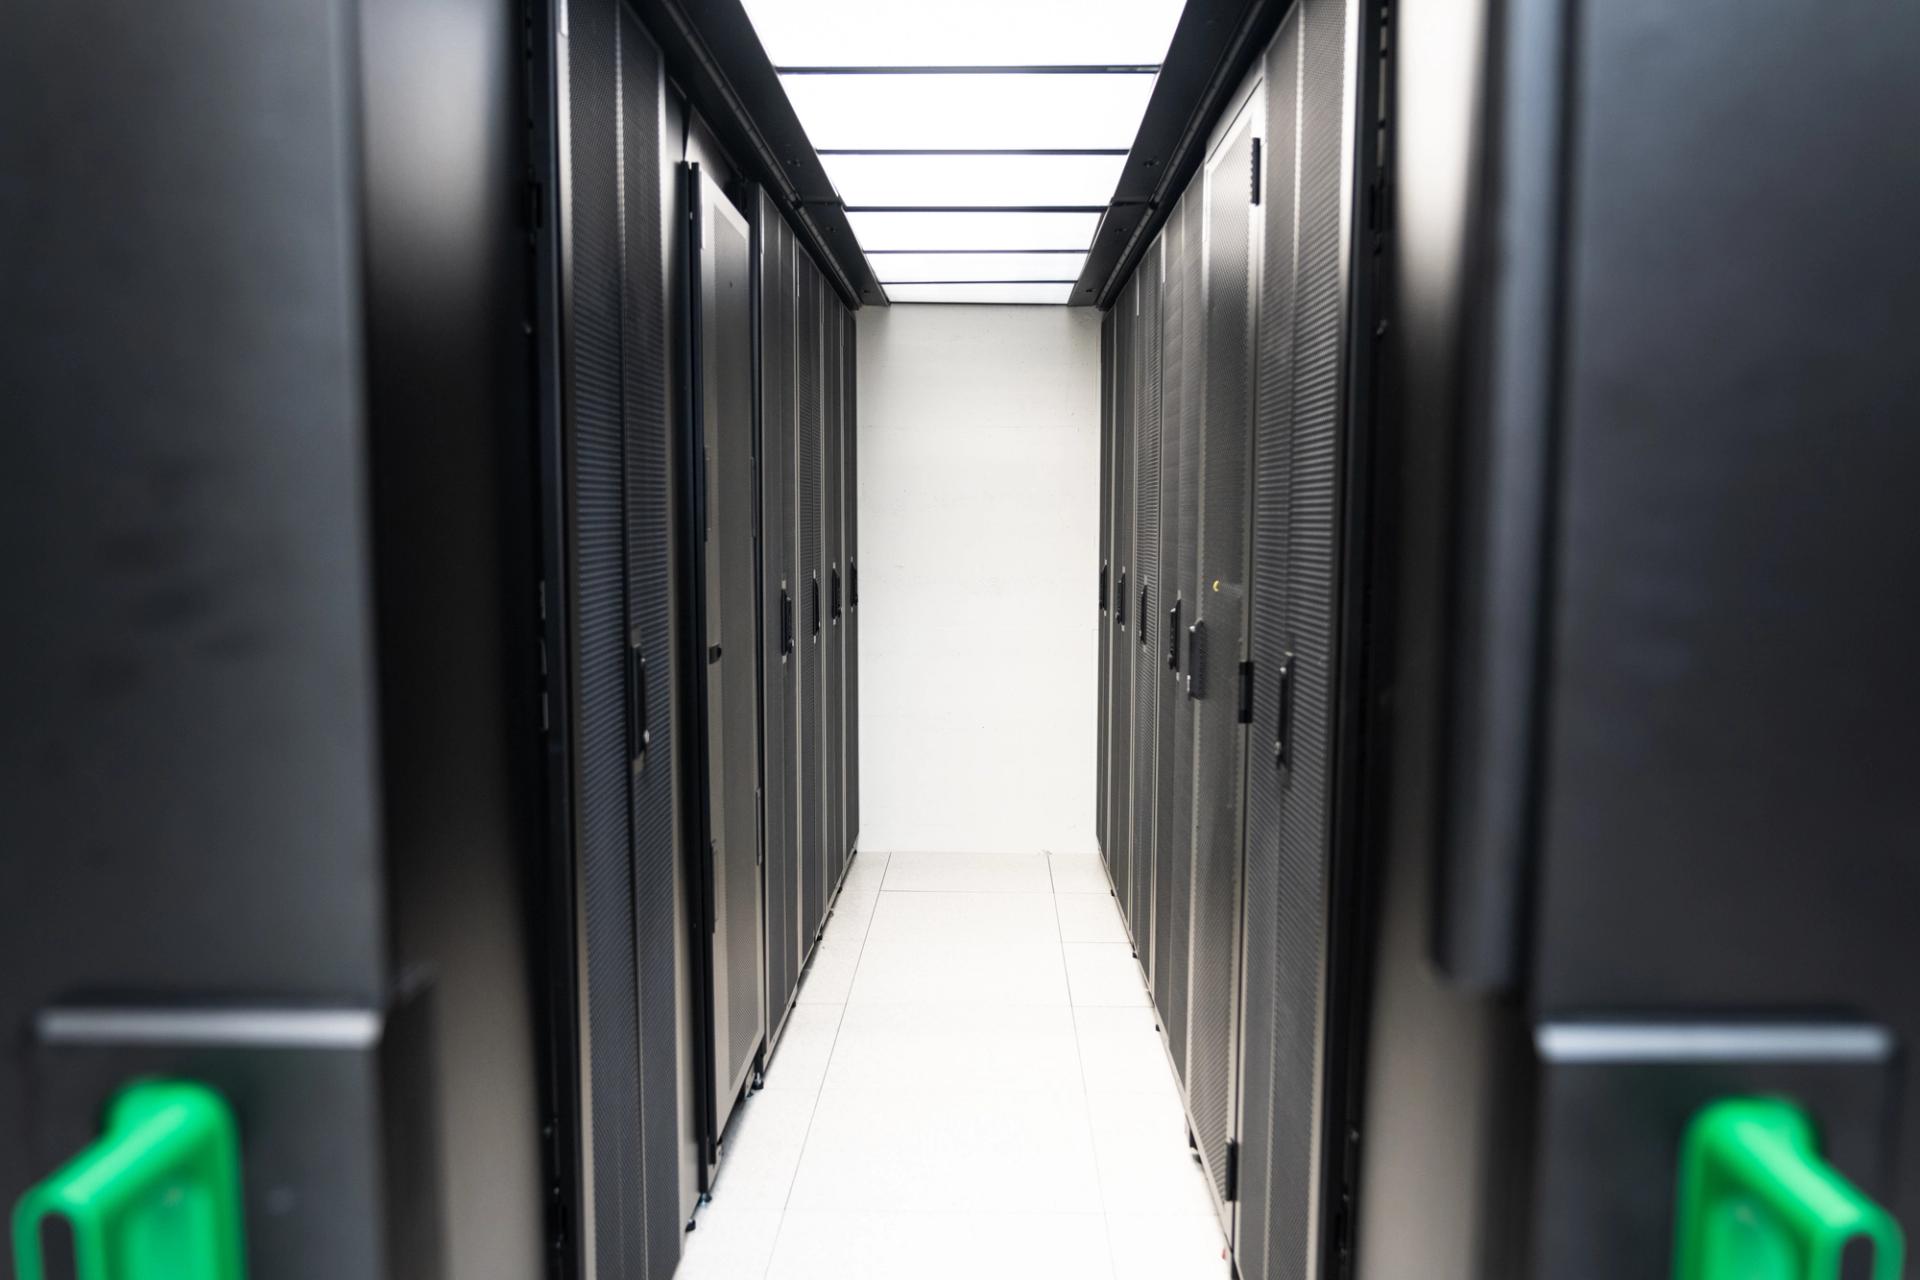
[[1758, 1203], [157, 1197]]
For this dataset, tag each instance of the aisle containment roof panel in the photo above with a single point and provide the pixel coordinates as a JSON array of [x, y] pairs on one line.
[[980, 144]]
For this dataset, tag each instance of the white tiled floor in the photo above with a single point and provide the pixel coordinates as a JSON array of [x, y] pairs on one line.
[[971, 1085]]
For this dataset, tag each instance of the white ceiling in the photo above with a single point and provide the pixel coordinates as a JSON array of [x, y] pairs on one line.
[[928, 118]]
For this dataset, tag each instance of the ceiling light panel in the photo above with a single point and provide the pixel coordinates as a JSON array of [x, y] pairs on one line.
[[959, 111], [1036, 294], [974, 180], [970, 230], [895, 268], [981, 32]]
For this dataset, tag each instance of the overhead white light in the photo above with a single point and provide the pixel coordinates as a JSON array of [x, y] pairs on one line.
[[961, 111], [974, 179], [971, 230], [897, 268], [979, 33], [1040, 294]]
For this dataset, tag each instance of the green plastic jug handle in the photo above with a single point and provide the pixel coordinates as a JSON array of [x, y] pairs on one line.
[[1757, 1202], [156, 1196]]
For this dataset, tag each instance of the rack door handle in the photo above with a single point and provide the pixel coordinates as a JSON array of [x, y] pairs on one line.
[[1173, 636], [639, 733], [813, 602], [1194, 671], [834, 594], [1120, 604], [786, 621], [1283, 720], [1103, 586], [1141, 614]]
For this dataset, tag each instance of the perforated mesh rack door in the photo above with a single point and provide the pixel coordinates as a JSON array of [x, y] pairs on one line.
[[833, 591], [616, 477], [1166, 628], [1103, 639], [809, 645], [1119, 629], [723, 277], [1145, 604], [776, 609], [1231, 261], [1297, 467], [655, 890], [1185, 581], [851, 498]]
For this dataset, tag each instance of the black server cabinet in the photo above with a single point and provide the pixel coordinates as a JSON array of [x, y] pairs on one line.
[[850, 640], [1103, 640], [619, 804], [1313, 345], [1172, 899], [1654, 328], [833, 651], [1215, 639], [779, 619], [1119, 635], [809, 527], [1144, 680], [723, 583], [1180, 422], [277, 482]]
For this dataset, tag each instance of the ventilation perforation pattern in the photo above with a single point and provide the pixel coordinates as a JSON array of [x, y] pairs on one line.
[[597, 510]]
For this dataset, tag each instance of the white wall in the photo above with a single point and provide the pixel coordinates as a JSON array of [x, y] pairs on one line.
[[979, 477]]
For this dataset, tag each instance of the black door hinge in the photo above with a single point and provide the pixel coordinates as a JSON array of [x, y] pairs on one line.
[[1232, 1172], [1244, 713], [1253, 177]]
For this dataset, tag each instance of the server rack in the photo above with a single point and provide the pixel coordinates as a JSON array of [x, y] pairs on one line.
[[810, 724], [779, 801], [1180, 521], [1296, 1161], [1120, 654], [1103, 640], [1215, 641], [1144, 682], [620, 807], [833, 651], [1652, 554], [851, 641], [720, 444]]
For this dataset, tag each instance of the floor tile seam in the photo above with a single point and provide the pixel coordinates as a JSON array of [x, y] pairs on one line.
[[814, 1111], [1086, 1104]]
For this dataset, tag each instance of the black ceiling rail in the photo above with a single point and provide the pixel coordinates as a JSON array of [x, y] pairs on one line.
[[715, 57], [975, 208], [974, 282], [1063, 69], [874, 252], [1215, 43], [972, 151]]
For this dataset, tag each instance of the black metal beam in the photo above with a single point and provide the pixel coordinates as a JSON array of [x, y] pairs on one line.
[[1215, 43], [975, 208], [1066, 69], [715, 57], [973, 151], [977, 282], [874, 253]]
